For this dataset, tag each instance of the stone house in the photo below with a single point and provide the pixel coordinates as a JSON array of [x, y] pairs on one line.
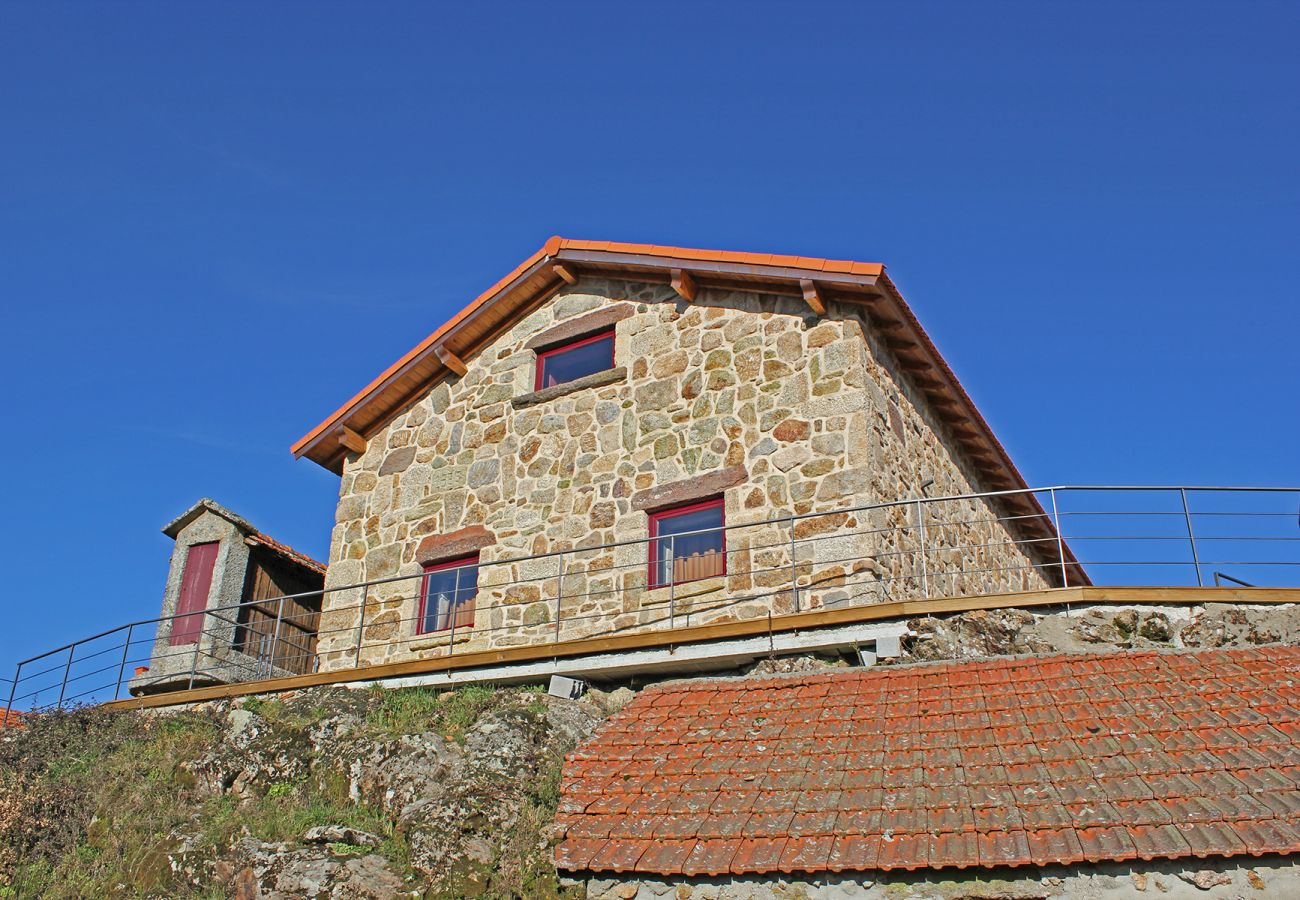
[[229, 611], [622, 436]]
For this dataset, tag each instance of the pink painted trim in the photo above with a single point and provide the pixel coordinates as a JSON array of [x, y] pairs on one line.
[[565, 348], [672, 512], [424, 593]]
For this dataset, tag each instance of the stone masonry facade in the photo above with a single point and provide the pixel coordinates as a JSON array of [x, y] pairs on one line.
[[744, 395]]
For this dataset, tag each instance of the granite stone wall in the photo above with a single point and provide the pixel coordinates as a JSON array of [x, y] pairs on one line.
[[210, 658], [742, 395]]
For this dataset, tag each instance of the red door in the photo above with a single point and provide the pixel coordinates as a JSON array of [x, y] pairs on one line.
[[195, 584]]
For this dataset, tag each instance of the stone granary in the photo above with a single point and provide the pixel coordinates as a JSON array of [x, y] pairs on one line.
[[622, 437], [222, 605]]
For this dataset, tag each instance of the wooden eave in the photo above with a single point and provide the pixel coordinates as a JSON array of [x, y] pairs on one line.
[[561, 261], [532, 282]]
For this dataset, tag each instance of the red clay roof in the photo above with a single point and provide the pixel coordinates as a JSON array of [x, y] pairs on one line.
[[287, 552], [1005, 762]]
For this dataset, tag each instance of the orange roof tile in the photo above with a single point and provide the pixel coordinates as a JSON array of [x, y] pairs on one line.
[[1006, 762], [287, 552]]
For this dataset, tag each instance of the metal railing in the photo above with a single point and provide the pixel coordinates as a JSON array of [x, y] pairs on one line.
[[959, 545]]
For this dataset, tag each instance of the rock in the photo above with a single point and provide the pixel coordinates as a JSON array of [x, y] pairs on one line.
[[397, 461], [792, 430], [1155, 627], [1206, 878], [1126, 620], [1092, 632], [246, 886], [339, 834], [1140, 881], [239, 720]]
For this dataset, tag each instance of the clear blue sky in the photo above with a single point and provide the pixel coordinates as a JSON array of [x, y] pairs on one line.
[[218, 221]]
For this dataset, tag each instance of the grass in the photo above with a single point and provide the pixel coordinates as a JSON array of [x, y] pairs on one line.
[[415, 710], [98, 804]]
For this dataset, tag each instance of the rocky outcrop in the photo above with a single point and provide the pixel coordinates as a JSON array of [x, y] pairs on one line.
[[1053, 630], [327, 793]]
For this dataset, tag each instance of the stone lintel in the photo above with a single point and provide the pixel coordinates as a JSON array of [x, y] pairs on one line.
[[581, 327], [688, 490], [595, 380], [442, 547]]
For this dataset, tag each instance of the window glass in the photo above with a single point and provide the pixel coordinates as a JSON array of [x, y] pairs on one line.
[[449, 591], [577, 360], [676, 554]]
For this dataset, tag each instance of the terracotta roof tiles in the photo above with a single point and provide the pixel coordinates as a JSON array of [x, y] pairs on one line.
[[1002, 762]]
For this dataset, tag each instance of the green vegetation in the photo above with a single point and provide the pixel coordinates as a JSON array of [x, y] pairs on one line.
[[96, 803], [417, 710]]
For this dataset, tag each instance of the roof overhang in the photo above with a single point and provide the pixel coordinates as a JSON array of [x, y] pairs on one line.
[[559, 262], [562, 261]]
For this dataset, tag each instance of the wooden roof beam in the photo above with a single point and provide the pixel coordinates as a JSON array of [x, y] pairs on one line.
[[566, 273], [684, 284], [351, 440], [812, 295], [450, 360]]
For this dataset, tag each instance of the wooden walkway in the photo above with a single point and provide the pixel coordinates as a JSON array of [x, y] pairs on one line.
[[664, 637]]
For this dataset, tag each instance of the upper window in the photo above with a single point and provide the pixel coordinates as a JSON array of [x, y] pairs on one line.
[[576, 359], [687, 543], [447, 600]]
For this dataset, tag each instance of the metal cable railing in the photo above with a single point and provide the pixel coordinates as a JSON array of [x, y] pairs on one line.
[[958, 545]]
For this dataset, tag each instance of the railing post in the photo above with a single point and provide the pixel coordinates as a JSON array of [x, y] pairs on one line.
[[361, 623], [13, 689], [121, 669], [559, 594], [1060, 541], [453, 610], [1191, 536], [275, 639], [194, 662], [925, 577], [672, 580], [67, 670], [794, 567]]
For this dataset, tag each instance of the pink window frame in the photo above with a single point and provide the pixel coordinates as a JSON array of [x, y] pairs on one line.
[[543, 355], [424, 594], [671, 512]]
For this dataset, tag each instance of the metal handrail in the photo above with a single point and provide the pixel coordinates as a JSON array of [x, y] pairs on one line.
[[915, 552]]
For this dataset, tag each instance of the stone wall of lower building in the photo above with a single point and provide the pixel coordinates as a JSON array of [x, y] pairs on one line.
[[740, 394], [1178, 879]]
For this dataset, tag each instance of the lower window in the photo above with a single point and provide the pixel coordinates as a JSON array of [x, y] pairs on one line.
[[688, 543], [447, 598]]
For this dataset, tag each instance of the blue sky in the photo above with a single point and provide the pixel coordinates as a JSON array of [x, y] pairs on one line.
[[218, 221]]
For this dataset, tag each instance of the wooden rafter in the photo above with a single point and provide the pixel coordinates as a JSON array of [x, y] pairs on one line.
[[684, 284], [351, 440], [812, 295], [566, 273], [450, 360]]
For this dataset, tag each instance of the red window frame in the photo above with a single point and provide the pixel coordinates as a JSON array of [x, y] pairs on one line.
[[544, 355], [672, 512], [454, 616]]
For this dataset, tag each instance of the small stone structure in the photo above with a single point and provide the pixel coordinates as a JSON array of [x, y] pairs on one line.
[[740, 394], [233, 636]]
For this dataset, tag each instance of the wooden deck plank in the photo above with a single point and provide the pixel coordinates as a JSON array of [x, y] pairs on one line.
[[641, 640]]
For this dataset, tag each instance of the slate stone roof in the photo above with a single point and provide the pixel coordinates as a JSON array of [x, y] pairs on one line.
[[1006, 762]]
